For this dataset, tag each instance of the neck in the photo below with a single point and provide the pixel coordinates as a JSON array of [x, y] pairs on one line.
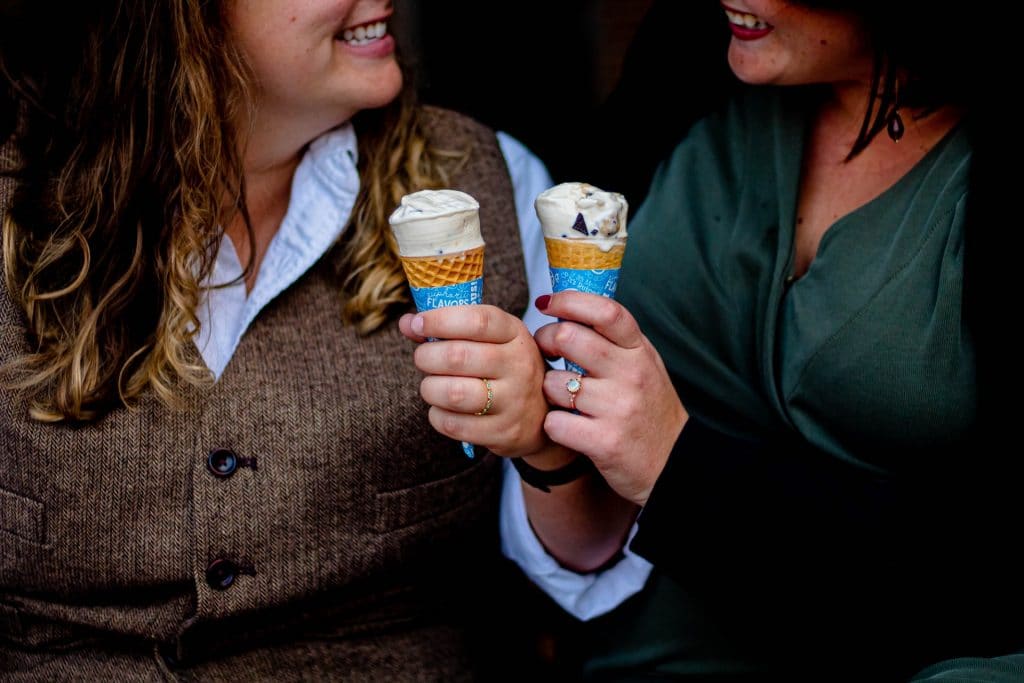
[[268, 166], [843, 115], [273, 150]]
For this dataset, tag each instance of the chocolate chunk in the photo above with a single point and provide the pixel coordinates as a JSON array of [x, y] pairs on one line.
[[580, 225]]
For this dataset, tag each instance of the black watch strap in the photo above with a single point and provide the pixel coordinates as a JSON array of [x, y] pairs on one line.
[[545, 479]]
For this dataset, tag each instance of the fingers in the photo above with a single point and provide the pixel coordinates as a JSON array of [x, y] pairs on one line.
[[460, 426], [405, 327], [594, 395], [582, 345], [577, 432], [480, 323], [464, 395], [461, 359], [608, 317]]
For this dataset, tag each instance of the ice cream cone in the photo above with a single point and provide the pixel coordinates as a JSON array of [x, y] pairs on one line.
[[450, 269], [582, 255], [585, 236], [442, 251]]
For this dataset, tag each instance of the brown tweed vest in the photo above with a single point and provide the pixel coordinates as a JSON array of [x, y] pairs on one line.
[[343, 542]]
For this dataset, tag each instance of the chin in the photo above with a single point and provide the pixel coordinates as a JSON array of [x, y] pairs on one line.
[[382, 91], [749, 68]]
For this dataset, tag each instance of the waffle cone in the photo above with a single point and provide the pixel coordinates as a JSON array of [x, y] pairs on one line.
[[450, 269], [582, 255]]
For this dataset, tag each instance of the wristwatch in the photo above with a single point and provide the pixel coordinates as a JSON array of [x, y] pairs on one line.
[[545, 479]]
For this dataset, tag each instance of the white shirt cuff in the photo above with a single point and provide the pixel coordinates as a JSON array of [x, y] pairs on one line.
[[584, 596]]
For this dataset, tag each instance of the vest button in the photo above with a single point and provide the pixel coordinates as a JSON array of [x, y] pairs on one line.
[[222, 462], [221, 573]]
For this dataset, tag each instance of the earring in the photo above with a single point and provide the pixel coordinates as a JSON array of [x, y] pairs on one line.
[[894, 122]]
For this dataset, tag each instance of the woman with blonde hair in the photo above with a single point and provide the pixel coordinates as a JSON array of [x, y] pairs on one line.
[[213, 460]]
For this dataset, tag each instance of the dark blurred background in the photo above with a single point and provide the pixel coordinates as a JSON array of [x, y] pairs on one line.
[[560, 76]]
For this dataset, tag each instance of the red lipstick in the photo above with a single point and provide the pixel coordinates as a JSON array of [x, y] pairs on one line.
[[745, 33]]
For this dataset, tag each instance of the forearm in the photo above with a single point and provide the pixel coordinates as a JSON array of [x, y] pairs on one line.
[[582, 524]]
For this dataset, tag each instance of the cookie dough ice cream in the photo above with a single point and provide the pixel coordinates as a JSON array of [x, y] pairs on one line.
[[584, 226]]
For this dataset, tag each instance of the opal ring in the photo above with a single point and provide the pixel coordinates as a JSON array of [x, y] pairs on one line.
[[573, 386]]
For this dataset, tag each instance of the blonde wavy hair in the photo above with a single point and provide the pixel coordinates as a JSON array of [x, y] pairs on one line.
[[130, 163]]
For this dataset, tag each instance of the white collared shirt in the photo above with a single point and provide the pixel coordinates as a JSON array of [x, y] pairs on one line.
[[323, 193]]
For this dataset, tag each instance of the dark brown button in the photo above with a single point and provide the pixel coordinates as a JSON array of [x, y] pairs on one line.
[[222, 462], [221, 573]]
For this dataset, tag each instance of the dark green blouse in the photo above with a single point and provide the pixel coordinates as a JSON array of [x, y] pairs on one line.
[[865, 355], [808, 516]]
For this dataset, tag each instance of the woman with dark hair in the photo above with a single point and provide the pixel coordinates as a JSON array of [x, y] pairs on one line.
[[212, 463], [796, 388]]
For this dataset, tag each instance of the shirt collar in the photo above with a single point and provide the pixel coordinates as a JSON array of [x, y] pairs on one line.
[[323, 194]]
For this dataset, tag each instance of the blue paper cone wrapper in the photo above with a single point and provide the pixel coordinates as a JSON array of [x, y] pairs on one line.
[[461, 294], [602, 282]]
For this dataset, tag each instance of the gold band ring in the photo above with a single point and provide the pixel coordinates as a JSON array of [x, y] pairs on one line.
[[573, 386], [490, 396]]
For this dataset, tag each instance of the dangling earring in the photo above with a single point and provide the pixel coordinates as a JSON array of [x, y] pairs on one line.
[[894, 122]]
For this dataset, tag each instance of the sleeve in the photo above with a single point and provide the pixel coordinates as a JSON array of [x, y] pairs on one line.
[[810, 523], [584, 596], [529, 179], [746, 503]]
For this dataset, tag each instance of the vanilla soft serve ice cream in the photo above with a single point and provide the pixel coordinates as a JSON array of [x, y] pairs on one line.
[[442, 251], [436, 223]]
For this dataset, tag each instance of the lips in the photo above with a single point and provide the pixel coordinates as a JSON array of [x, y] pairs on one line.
[[746, 26]]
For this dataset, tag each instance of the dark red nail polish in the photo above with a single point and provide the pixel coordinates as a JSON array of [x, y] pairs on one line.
[[542, 302]]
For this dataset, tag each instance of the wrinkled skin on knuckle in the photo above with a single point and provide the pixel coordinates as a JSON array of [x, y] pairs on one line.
[[481, 321], [456, 356], [564, 336], [608, 314], [449, 425], [456, 393]]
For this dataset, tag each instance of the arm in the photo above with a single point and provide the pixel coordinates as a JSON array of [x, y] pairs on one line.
[[628, 418], [583, 523]]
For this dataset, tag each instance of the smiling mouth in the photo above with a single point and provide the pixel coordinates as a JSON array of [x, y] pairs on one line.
[[745, 20], [364, 34]]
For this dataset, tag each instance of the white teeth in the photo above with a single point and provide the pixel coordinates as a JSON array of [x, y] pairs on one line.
[[362, 35], [745, 20]]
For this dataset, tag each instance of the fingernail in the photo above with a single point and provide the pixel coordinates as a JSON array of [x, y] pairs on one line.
[[417, 324], [542, 302]]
